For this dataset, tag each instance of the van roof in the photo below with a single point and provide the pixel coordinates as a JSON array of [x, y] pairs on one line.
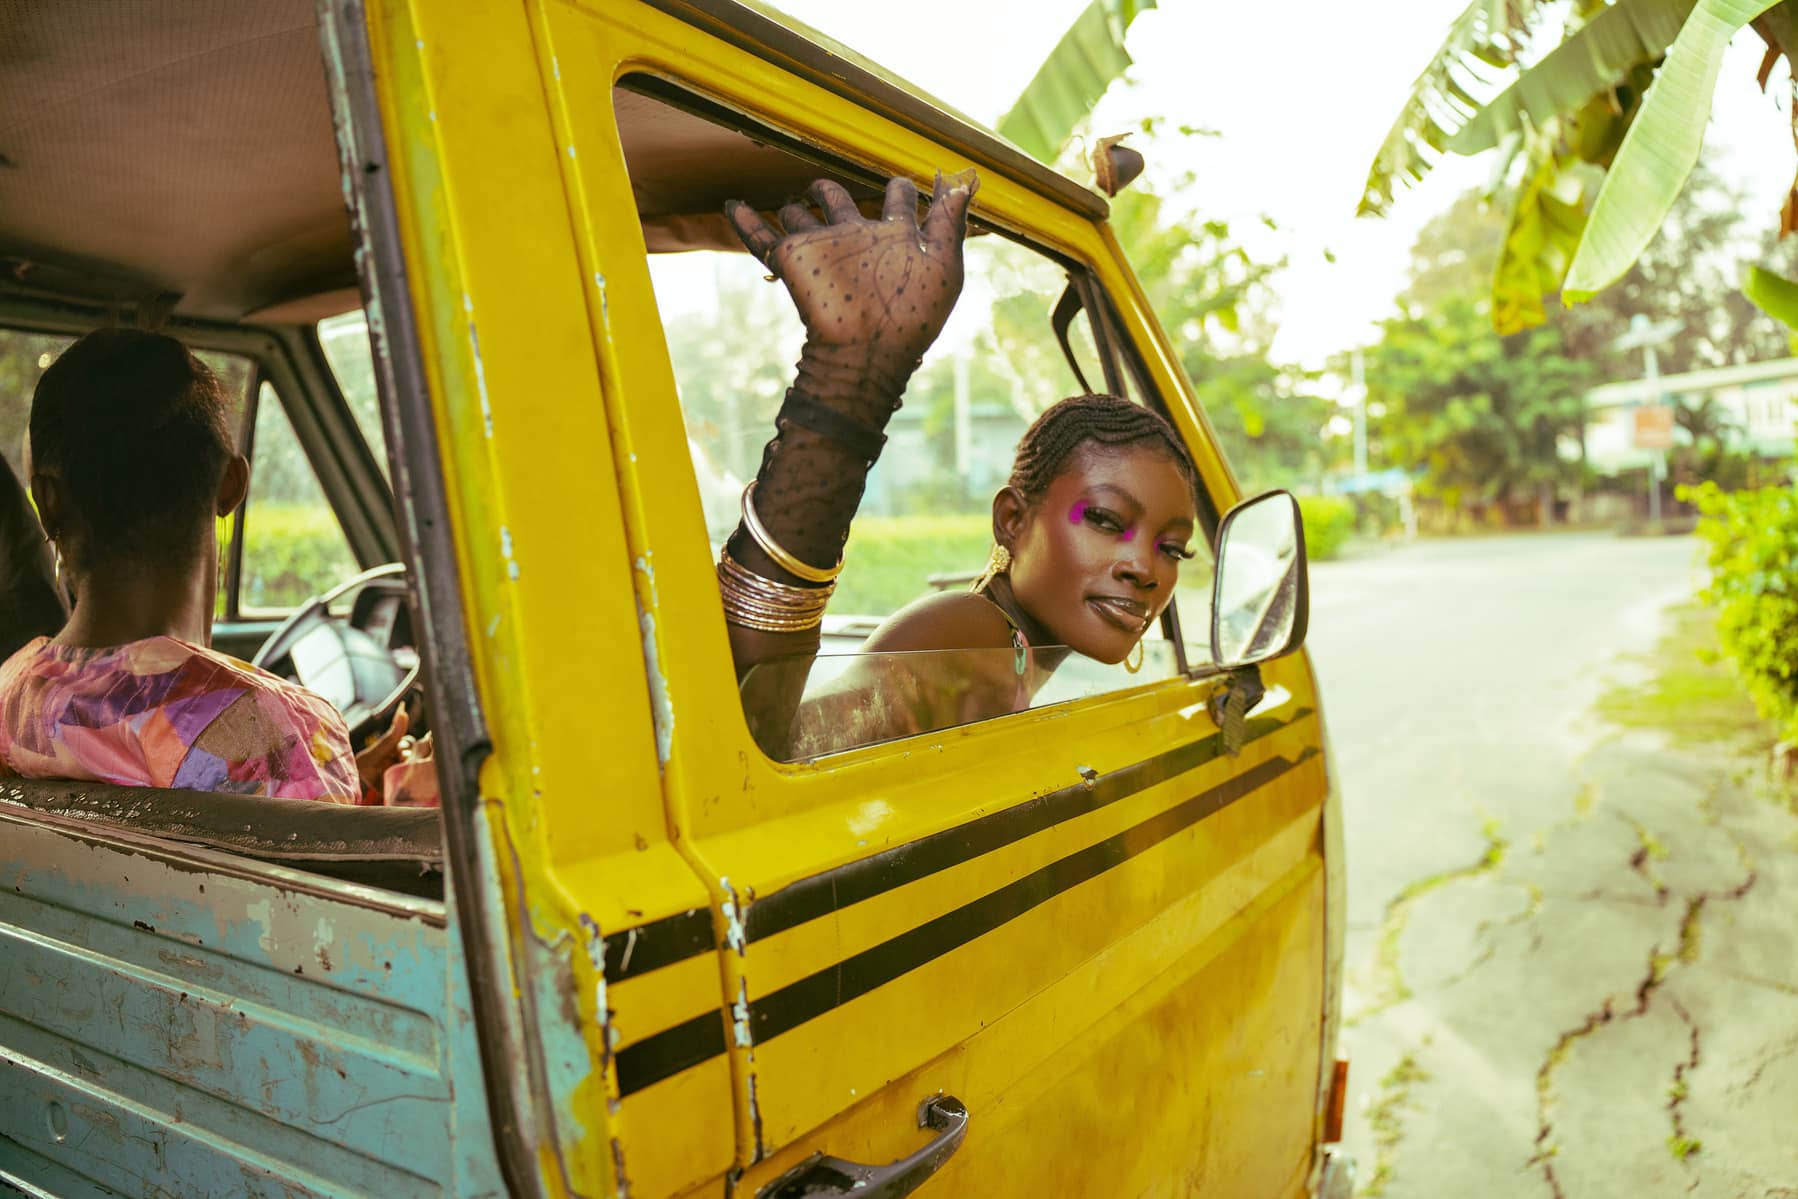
[[179, 154]]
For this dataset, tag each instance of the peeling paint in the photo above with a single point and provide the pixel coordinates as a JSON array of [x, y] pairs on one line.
[[630, 947], [596, 956], [734, 935], [755, 1119], [618, 1174], [661, 708], [480, 369], [505, 549], [605, 305], [739, 1012]]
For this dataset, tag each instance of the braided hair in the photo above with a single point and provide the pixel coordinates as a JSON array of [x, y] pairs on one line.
[[135, 429], [1107, 420]]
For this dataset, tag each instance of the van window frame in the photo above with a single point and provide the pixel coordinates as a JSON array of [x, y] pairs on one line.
[[1116, 351]]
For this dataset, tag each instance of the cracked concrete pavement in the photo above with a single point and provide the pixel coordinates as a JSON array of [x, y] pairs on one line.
[[1572, 960]]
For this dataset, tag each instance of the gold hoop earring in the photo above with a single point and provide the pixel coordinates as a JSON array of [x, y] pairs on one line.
[[997, 563], [1140, 653]]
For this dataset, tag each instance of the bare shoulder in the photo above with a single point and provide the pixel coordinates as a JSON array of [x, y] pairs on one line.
[[949, 620]]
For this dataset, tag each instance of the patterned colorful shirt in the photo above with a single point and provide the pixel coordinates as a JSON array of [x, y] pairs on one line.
[[163, 712]]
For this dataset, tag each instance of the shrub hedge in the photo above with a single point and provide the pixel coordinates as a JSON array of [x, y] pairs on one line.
[[1751, 544], [1329, 523]]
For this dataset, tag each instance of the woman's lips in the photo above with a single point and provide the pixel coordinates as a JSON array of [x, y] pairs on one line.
[[1130, 615]]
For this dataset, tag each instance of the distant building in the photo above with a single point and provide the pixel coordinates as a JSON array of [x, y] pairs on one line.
[[1759, 399]]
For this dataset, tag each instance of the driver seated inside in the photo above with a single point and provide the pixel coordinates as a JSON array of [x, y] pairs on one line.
[[132, 462]]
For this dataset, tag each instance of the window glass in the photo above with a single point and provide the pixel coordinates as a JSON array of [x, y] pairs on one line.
[[925, 522], [293, 546], [856, 699], [23, 357], [347, 349]]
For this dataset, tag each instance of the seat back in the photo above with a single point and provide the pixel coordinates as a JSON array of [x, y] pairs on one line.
[[399, 849]]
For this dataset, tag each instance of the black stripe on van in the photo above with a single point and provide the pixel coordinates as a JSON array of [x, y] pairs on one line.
[[659, 943], [855, 976], [670, 1051], [852, 882], [685, 1045]]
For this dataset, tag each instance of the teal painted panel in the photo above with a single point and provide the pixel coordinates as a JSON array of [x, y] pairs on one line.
[[183, 1022]]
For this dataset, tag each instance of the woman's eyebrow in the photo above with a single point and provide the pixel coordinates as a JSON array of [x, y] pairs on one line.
[[1120, 492]]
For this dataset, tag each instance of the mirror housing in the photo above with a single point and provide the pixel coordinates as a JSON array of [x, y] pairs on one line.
[[1260, 593]]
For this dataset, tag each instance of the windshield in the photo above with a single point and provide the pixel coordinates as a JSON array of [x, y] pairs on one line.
[[345, 342]]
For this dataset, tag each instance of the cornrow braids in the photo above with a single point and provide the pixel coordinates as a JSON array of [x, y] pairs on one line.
[[1108, 420]]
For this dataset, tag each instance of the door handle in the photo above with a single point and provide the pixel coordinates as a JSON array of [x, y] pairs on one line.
[[821, 1175]]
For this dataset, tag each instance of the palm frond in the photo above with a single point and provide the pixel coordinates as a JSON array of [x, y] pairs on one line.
[[1593, 58], [1773, 294], [1087, 59], [1487, 36], [1660, 149]]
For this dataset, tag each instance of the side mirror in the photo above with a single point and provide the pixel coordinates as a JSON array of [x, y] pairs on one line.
[[1260, 597]]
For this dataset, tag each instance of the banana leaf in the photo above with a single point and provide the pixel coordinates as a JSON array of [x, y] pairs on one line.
[[1773, 294], [1546, 222], [1660, 149], [1593, 58], [1487, 34], [1089, 56]]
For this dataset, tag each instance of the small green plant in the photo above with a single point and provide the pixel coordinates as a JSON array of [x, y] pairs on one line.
[[1684, 1147], [1329, 523]]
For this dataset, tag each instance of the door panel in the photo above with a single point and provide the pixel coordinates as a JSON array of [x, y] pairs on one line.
[[992, 910], [179, 1021]]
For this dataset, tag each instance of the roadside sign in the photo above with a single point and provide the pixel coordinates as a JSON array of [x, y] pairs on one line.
[[1654, 427]]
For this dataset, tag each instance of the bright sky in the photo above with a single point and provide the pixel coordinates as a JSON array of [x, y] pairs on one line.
[[1302, 93]]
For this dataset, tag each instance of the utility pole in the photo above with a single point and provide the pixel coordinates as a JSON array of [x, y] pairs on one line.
[[1645, 335], [1358, 381]]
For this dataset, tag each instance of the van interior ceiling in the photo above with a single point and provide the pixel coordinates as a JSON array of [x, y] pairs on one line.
[[250, 223], [179, 158]]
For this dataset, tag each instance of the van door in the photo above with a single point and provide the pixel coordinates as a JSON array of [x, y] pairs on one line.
[[1090, 926]]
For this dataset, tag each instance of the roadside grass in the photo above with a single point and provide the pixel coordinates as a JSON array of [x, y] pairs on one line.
[[1690, 694]]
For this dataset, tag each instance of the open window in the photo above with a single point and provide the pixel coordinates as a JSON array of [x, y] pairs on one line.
[[1031, 327]]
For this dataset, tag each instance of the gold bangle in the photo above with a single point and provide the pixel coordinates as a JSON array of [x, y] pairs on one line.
[[782, 558], [754, 602], [779, 595]]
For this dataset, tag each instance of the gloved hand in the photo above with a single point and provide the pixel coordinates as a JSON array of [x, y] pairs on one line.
[[873, 294]]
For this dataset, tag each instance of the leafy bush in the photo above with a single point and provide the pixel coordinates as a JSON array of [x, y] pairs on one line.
[[1751, 541], [1329, 522]]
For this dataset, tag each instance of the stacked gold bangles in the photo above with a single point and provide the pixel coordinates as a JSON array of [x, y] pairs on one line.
[[754, 602]]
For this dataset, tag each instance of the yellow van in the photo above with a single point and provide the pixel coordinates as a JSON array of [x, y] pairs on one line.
[[466, 271]]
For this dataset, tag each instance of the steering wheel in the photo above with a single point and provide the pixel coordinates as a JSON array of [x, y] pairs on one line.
[[363, 663]]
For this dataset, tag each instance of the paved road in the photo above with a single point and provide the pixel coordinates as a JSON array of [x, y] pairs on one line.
[[1458, 677], [1551, 927]]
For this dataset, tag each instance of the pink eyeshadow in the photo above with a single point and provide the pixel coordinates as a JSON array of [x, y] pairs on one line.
[[1077, 513]]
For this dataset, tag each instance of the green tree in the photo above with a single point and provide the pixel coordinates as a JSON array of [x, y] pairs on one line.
[[1483, 417]]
